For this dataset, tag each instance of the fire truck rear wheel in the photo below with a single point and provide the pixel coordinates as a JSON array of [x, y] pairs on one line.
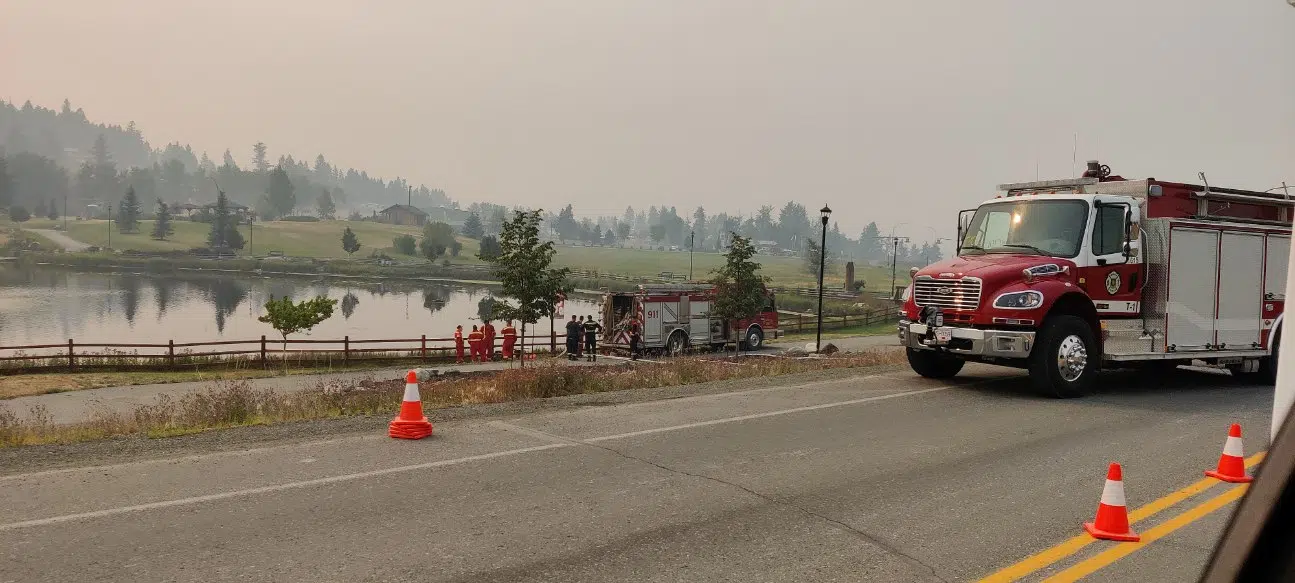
[[678, 342], [934, 365], [1063, 363], [754, 339]]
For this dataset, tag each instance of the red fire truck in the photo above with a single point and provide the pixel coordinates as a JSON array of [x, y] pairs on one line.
[[1065, 277], [676, 317]]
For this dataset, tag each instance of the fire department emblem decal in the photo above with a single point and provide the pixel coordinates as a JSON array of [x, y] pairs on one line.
[[1112, 282]]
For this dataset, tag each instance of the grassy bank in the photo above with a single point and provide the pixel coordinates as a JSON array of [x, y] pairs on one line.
[[886, 328], [13, 386], [234, 403], [323, 240]]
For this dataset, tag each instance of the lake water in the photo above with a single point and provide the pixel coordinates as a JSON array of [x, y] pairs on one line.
[[48, 306]]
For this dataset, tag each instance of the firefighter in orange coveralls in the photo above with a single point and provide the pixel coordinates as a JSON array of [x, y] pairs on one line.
[[510, 339], [488, 346], [475, 340], [458, 343]]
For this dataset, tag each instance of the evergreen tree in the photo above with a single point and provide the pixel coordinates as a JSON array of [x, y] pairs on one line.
[[53, 211], [324, 205], [162, 227], [472, 227], [224, 226], [281, 192], [259, 160], [128, 212], [350, 243]]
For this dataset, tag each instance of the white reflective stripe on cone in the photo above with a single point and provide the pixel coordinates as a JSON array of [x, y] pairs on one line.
[[411, 392], [1113, 493], [1233, 447]]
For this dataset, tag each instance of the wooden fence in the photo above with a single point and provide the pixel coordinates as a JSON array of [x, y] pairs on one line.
[[801, 323], [172, 354]]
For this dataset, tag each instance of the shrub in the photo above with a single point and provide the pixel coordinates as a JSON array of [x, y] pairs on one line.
[[19, 213], [300, 219], [405, 244]]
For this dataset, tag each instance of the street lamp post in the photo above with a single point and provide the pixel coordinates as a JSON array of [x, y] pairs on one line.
[[824, 213], [692, 244], [110, 225]]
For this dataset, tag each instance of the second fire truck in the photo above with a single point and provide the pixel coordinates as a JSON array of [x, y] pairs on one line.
[[1066, 277], [676, 317]]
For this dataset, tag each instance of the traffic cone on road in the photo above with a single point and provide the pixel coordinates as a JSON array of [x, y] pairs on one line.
[[410, 424], [1112, 522], [1232, 466]]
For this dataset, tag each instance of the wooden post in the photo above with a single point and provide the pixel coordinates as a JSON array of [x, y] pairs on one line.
[[346, 350], [170, 353], [424, 347], [263, 363], [71, 354]]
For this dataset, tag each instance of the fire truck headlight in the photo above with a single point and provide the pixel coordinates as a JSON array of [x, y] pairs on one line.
[[1023, 300], [907, 293]]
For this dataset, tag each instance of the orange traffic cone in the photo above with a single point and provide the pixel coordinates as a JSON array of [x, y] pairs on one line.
[[1232, 468], [1112, 522], [410, 424]]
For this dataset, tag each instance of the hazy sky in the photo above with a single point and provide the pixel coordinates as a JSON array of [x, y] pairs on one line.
[[895, 111]]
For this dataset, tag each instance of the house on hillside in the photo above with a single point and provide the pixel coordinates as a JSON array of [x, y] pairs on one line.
[[403, 214]]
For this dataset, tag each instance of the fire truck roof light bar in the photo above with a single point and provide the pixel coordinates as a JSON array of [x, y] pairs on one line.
[[1046, 184]]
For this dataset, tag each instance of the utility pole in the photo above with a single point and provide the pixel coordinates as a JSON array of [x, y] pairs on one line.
[[251, 217], [409, 197], [692, 244], [110, 225]]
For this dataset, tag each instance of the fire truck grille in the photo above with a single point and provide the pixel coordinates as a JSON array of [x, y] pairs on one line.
[[947, 294]]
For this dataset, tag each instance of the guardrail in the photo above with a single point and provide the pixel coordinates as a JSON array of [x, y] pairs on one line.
[[262, 351]]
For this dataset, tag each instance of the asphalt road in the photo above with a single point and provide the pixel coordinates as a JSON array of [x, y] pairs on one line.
[[882, 477]]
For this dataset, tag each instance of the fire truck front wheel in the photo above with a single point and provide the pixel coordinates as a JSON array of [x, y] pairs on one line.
[[1063, 363], [932, 364]]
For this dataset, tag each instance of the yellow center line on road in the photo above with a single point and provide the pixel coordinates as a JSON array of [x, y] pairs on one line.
[[1073, 545], [1121, 550]]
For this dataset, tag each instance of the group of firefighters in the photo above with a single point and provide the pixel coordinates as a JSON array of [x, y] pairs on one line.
[[481, 342]]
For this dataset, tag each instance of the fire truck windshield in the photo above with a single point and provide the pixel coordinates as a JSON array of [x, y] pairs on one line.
[[1043, 227]]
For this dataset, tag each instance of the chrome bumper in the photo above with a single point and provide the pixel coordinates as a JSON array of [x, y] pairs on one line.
[[970, 341]]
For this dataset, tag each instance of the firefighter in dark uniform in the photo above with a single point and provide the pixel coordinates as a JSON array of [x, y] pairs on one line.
[[573, 338], [592, 329]]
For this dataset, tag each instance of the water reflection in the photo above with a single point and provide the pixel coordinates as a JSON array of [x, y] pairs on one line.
[[46, 306], [349, 301]]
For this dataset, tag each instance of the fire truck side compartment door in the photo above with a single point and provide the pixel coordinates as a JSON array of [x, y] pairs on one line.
[[651, 322], [1193, 279], [1240, 313], [699, 321], [1279, 249]]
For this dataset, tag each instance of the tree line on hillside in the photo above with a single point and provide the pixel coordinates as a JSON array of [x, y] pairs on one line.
[[789, 229], [56, 155]]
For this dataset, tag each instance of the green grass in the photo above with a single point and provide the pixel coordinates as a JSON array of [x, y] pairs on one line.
[[323, 240], [886, 328]]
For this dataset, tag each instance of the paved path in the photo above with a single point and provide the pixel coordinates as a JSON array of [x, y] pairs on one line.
[[68, 243], [846, 478]]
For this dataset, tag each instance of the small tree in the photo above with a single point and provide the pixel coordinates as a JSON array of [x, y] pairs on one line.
[[739, 288], [350, 244], [53, 211], [324, 205], [40, 210], [19, 213], [472, 227], [128, 212], [437, 238], [489, 248], [405, 244], [813, 255], [530, 287], [289, 318], [162, 227]]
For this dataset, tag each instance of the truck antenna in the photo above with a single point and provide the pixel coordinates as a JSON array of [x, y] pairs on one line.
[[1074, 154]]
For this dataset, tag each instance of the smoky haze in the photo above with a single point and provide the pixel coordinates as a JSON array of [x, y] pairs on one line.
[[894, 112]]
